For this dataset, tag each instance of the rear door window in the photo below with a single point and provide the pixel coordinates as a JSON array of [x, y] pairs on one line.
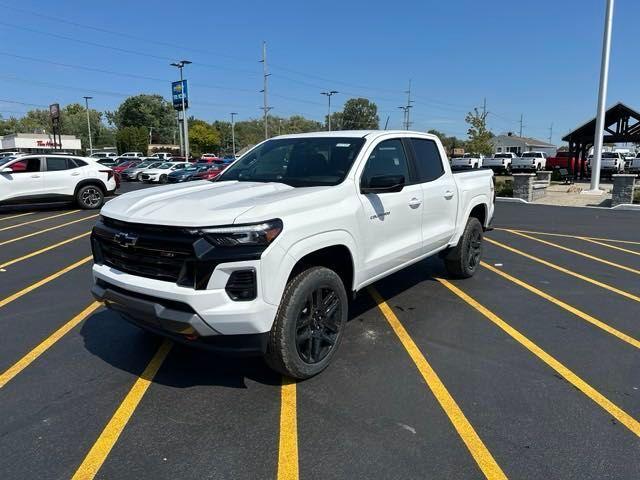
[[55, 164], [428, 160]]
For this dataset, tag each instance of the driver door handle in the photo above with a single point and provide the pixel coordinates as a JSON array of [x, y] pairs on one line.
[[448, 194], [75, 174], [35, 176], [415, 203]]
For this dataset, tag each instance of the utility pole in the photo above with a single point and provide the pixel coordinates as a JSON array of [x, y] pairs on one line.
[[551, 133], [602, 100], [329, 94], [265, 74], [150, 134], [185, 125], [233, 133], [407, 108], [86, 102], [521, 119], [484, 108]]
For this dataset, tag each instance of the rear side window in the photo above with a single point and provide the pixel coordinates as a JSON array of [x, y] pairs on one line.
[[76, 162], [428, 160], [55, 164]]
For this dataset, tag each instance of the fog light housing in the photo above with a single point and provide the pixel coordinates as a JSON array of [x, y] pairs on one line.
[[242, 285]]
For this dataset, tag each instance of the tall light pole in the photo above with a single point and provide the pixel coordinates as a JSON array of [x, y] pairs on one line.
[[86, 103], [602, 100], [265, 90], [329, 94], [185, 125], [233, 133]]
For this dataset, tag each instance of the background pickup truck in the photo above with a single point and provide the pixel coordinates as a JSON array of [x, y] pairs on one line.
[[634, 167], [565, 160], [468, 160], [612, 162], [500, 162], [264, 259], [529, 161]]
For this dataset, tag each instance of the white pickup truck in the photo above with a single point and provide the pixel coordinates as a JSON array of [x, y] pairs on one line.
[[634, 165], [612, 162], [500, 162], [529, 161], [468, 160], [264, 259]]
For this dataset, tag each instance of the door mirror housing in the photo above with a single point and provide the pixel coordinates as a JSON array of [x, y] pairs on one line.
[[384, 184], [6, 170]]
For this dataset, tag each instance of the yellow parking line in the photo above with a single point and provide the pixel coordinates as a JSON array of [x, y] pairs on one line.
[[611, 408], [579, 313], [44, 281], [109, 436], [30, 357], [576, 252], [42, 250], [581, 237], [467, 433], [16, 216], [625, 294], [39, 232], [37, 220], [288, 446], [626, 250]]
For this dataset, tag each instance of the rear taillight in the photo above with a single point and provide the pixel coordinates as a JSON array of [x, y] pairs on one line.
[[108, 172]]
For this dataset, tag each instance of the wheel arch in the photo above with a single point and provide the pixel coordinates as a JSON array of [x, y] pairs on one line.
[[90, 181]]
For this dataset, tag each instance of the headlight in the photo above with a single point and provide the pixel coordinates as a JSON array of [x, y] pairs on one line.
[[238, 235]]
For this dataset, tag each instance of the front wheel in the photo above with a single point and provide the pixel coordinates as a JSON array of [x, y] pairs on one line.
[[309, 324], [163, 179], [463, 260], [89, 197]]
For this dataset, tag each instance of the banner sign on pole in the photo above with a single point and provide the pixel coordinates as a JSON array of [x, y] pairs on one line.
[[178, 91]]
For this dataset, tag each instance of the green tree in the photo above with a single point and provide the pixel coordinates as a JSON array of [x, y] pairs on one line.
[[448, 142], [148, 111], [203, 137], [479, 136], [357, 114], [132, 139]]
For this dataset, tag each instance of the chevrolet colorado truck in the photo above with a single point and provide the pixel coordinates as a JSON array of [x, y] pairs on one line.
[[529, 161], [263, 260], [468, 160], [500, 162]]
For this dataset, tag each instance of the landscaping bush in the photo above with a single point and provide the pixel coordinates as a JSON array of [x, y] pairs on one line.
[[504, 188], [636, 195]]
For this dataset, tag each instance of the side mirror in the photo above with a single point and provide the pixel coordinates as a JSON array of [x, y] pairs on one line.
[[384, 184], [6, 170]]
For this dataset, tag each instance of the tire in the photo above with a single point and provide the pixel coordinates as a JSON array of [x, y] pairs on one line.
[[163, 179], [89, 197], [139, 177], [296, 338], [463, 260]]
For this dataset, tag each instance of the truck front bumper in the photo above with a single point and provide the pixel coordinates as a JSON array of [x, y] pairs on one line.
[[206, 318]]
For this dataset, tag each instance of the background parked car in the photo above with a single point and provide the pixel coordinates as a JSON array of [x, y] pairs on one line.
[[132, 173], [132, 154], [107, 162], [500, 162], [186, 174], [635, 165], [529, 161], [160, 173], [160, 156], [565, 160], [612, 162], [468, 160], [99, 155], [208, 158], [210, 172]]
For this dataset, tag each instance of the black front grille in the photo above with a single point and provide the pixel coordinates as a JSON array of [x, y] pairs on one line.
[[171, 254]]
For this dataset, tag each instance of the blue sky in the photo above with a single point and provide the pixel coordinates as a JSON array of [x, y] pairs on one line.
[[540, 59]]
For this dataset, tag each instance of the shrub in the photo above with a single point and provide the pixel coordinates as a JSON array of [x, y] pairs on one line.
[[504, 188]]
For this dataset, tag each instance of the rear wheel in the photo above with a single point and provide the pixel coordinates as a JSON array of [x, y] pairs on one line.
[[163, 178], [309, 324], [89, 197], [463, 260]]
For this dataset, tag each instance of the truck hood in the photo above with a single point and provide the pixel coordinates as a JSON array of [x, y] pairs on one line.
[[199, 203]]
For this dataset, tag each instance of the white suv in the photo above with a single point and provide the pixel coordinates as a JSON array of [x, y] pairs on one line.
[[30, 178]]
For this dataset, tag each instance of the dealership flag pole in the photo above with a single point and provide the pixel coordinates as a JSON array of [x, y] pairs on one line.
[[86, 102], [602, 100]]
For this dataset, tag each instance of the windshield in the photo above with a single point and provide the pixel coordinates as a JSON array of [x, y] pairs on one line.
[[164, 166], [609, 155], [145, 164], [299, 162]]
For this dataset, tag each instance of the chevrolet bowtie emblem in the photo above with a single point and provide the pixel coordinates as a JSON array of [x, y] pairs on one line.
[[125, 239]]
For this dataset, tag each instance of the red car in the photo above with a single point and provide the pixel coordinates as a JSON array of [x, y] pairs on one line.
[[124, 165], [210, 173]]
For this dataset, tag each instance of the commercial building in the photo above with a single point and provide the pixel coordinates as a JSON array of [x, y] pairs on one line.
[[39, 143], [518, 145]]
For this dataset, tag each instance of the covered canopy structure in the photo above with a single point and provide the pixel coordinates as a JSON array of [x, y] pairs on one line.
[[622, 124]]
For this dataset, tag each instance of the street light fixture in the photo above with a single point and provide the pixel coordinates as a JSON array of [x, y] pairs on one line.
[[233, 133], [86, 103], [329, 94], [185, 125]]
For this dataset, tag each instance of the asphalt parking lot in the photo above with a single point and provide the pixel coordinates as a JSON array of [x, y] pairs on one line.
[[531, 369]]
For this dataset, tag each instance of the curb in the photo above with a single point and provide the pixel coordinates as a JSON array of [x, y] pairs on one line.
[[510, 200], [626, 206]]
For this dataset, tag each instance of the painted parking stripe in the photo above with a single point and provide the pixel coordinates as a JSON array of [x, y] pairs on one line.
[[474, 443], [288, 445], [47, 343], [576, 252], [109, 436], [625, 294], [569, 308], [37, 220], [611, 408], [44, 281], [16, 216], [565, 235], [42, 250], [614, 247], [40, 232]]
